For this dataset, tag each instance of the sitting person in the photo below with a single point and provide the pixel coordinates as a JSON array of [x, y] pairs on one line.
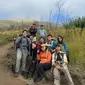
[[63, 46], [41, 41], [51, 43], [44, 64], [59, 62]]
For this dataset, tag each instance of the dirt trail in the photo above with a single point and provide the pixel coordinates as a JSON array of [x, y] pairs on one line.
[[6, 78]]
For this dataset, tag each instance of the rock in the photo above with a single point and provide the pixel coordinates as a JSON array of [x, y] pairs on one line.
[[49, 75]]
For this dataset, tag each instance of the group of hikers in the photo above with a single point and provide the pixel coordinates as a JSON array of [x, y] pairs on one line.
[[41, 55]]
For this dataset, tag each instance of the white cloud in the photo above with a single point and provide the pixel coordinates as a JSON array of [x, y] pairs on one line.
[[37, 8]]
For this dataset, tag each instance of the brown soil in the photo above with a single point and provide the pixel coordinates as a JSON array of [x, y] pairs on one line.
[[6, 78]]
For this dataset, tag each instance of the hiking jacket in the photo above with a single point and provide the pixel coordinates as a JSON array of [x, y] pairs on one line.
[[59, 58], [22, 43], [52, 45], [33, 31], [42, 33], [44, 57], [34, 54]]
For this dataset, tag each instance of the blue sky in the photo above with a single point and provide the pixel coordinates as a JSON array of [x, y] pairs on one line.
[[38, 9]]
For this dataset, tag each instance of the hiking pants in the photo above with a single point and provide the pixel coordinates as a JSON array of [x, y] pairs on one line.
[[56, 74], [21, 55], [40, 69]]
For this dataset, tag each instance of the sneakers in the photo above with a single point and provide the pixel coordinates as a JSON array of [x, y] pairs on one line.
[[43, 81], [30, 82]]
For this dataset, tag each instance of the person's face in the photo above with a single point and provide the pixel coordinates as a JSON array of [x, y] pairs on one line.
[[34, 26], [41, 40], [31, 37], [24, 33], [58, 49], [49, 38], [33, 45], [43, 48], [60, 39], [42, 27]]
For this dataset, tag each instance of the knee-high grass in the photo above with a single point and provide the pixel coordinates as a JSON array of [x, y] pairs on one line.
[[75, 42]]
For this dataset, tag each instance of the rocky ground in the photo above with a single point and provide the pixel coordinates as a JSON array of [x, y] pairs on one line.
[[7, 59]]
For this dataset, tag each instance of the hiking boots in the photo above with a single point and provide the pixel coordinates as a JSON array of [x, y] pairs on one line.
[[30, 82], [43, 81], [24, 74]]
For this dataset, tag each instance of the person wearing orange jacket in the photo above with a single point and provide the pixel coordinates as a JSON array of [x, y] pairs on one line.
[[43, 65]]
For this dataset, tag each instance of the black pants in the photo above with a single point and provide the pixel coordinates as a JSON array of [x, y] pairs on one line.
[[40, 69], [32, 67]]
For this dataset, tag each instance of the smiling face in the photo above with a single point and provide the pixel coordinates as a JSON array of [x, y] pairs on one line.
[[43, 48], [60, 39], [41, 40], [41, 27], [49, 38], [58, 48], [33, 45], [34, 25], [25, 33], [31, 37]]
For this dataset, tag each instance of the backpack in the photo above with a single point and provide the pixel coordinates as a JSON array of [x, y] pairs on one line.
[[18, 44]]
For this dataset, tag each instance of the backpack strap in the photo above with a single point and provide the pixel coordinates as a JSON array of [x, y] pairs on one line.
[[61, 56], [47, 53]]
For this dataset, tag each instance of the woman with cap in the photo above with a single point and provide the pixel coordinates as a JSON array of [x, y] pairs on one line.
[[43, 65]]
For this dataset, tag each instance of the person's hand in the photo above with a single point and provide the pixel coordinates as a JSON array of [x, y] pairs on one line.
[[32, 61], [60, 68]]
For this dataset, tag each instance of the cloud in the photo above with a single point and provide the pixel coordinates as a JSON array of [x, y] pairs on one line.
[[11, 9]]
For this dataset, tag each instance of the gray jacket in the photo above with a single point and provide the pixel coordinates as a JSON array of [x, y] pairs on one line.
[[22, 43]]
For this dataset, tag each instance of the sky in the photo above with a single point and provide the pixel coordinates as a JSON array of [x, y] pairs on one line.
[[40, 9]]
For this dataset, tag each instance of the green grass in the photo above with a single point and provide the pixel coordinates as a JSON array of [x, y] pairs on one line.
[[3, 40]]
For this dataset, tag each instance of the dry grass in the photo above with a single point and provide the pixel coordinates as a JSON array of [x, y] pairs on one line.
[[75, 42]]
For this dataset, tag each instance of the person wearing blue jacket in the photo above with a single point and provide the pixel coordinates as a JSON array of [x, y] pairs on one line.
[[51, 43], [63, 45], [42, 32]]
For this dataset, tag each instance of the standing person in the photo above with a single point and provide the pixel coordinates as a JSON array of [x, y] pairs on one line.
[[42, 32], [52, 43], [32, 65], [22, 52], [30, 46], [29, 58], [59, 62], [63, 45], [33, 31]]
